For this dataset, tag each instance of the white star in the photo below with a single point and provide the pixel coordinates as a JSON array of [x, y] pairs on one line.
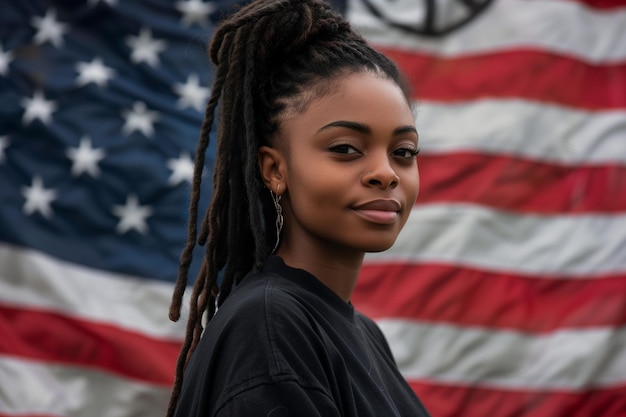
[[38, 198], [182, 169], [145, 48], [49, 29], [192, 94], [93, 72], [38, 108], [140, 118], [4, 143], [194, 11], [85, 158], [132, 216], [5, 59]]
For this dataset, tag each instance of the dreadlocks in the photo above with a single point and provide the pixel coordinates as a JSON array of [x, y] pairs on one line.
[[270, 56]]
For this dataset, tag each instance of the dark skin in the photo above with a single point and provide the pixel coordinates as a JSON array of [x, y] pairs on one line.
[[348, 177]]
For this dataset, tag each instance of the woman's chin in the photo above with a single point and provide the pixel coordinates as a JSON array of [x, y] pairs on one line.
[[379, 247]]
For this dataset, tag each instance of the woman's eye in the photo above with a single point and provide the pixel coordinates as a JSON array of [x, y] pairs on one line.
[[407, 153], [346, 149]]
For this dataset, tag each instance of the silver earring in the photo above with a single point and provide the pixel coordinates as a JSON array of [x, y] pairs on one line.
[[279, 215]]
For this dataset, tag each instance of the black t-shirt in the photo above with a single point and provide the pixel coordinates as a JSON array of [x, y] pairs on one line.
[[284, 344]]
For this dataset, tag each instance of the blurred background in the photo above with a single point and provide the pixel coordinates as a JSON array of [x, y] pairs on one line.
[[504, 296]]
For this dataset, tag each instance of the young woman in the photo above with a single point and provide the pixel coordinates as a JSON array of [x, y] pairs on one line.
[[316, 165]]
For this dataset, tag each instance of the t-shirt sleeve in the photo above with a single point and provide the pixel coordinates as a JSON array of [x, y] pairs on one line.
[[284, 399]]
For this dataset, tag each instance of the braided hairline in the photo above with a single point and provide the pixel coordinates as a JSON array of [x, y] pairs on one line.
[[271, 56]]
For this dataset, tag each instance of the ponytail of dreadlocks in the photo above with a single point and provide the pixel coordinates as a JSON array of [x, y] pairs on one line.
[[270, 56]]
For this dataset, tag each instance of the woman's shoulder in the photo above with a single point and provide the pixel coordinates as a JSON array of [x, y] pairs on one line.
[[264, 323], [258, 289], [258, 315], [261, 302], [250, 344]]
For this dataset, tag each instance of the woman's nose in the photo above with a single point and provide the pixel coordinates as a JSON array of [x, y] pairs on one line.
[[381, 175]]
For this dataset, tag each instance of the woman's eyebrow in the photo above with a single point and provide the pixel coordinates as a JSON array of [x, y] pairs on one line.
[[365, 129], [405, 129], [359, 127]]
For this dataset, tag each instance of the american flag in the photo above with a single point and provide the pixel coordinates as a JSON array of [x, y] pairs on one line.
[[504, 296]]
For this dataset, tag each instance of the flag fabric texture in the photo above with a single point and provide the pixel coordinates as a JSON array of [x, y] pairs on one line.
[[505, 294]]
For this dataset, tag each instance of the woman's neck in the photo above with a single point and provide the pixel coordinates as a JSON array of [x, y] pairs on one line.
[[336, 269]]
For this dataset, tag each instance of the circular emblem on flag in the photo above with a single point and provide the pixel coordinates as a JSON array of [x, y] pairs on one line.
[[426, 17]]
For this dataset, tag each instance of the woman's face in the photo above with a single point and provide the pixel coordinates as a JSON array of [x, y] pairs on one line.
[[351, 174]]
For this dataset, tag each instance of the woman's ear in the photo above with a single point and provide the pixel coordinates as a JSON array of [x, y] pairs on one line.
[[272, 166]]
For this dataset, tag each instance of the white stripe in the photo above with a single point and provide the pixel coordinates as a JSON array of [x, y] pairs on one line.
[[565, 359], [532, 130], [33, 279], [581, 246], [564, 27], [31, 388]]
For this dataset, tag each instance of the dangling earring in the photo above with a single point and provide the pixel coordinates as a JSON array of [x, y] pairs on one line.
[[279, 215]]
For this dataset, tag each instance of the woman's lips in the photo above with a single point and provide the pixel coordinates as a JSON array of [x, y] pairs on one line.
[[378, 216], [379, 211]]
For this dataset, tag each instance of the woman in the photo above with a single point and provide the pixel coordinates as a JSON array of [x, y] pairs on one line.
[[316, 165]]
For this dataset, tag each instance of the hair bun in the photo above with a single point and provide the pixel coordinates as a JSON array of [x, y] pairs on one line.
[[284, 25]]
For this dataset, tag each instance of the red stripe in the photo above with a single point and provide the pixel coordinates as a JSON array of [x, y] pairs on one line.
[[56, 338], [471, 401], [601, 4], [518, 184], [465, 296], [520, 74]]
